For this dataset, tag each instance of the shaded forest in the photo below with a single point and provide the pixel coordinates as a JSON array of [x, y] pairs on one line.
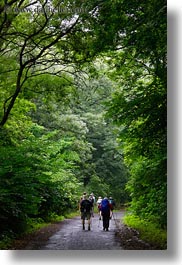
[[83, 103]]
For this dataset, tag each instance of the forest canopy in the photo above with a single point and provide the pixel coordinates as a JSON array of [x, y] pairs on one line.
[[82, 107]]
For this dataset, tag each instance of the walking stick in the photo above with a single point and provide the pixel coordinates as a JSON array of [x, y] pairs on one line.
[[90, 221], [100, 218], [113, 217], [99, 221]]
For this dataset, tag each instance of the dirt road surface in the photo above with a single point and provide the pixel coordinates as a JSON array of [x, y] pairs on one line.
[[70, 236]]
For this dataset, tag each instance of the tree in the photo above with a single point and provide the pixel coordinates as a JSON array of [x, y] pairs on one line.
[[60, 36], [106, 162], [31, 47], [139, 107]]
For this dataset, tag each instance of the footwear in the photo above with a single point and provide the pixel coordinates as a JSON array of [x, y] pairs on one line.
[[107, 229], [104, 228]]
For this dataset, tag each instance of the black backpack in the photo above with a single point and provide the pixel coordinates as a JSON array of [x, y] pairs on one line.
[[86, 206]]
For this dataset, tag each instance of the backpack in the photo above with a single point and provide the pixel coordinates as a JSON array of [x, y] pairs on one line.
[[105, 208], [86, 206]]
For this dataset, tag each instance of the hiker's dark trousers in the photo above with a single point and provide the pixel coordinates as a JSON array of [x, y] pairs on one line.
[[106, 218]]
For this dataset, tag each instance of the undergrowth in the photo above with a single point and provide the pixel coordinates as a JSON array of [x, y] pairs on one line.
[[149, 232], [33, 224]]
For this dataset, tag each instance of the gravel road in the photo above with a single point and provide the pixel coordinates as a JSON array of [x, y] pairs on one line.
[[72, 237]]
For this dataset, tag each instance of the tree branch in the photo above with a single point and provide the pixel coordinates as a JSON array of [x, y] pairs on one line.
[[23, 65]]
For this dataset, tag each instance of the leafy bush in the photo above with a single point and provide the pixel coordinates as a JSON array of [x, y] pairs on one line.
[[149, 231], [36, 180]]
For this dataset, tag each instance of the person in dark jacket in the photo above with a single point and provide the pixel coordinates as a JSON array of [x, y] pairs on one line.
[[106, 213], [86, 211]]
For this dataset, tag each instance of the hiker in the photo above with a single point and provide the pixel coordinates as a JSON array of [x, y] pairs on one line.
[[112, 204], [86, 210], [92, 199], [99, 203], [81, 198], [105, 213]]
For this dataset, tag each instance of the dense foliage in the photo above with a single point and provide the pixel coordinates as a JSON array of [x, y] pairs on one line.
[[82, 107], [139, 107]]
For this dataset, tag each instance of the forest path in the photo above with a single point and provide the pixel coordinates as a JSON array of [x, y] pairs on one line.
[[70, 236]]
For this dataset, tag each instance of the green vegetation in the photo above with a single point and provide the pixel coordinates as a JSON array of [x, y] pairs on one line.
[[82, 107], [34, 225], [149, 232]]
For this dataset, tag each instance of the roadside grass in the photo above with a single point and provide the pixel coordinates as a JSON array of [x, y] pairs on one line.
[[72, 214], [149, 232], [36, 224]]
